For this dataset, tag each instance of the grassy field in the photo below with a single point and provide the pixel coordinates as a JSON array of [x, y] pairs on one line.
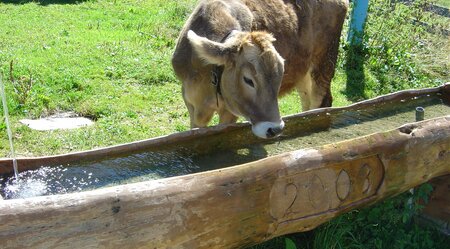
[[107, 60], [110, 61]]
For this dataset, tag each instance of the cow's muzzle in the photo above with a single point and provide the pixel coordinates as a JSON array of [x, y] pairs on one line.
[[268, 129]]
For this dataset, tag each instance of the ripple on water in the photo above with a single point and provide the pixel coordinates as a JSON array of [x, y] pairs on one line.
[[46, 181]]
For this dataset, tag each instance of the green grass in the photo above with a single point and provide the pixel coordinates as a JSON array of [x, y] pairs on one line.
[[110, 61], [444, 3]]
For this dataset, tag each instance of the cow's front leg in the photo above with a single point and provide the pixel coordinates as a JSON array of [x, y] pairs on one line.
[[200, 115], [304, 88], [226, 117], [200, 102], [314, 93]]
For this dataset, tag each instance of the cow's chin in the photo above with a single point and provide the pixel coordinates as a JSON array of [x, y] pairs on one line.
[[267, 129]]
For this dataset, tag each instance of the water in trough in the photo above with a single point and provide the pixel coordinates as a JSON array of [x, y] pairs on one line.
[[302, 132]]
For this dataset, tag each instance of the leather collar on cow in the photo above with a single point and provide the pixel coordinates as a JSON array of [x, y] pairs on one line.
[[216, 76], [216, 72]]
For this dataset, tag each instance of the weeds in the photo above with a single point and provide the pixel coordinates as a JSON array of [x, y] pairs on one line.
[[391, 55], [387, 225], [22, 86]]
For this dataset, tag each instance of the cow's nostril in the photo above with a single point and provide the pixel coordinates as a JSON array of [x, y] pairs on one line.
[[272, 132]]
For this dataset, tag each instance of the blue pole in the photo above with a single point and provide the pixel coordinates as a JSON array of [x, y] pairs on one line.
[[358, 18]]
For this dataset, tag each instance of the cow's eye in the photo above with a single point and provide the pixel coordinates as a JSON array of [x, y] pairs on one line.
[[249, 82]]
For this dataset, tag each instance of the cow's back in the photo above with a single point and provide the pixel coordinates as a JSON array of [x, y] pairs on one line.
[[304, 29], [210, 19]]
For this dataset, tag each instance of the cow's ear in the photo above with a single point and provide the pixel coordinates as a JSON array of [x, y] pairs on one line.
[[212, 52]]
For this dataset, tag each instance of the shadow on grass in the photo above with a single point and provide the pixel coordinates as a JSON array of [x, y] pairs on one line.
[[354, 68], [42, 2]]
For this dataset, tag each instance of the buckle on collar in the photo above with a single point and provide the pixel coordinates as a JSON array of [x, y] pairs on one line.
[[216, 76]]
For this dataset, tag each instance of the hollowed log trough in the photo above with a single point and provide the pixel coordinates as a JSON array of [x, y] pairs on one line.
[[237, 206]]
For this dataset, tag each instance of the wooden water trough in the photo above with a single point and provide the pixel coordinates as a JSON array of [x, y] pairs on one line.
[[241, 205]]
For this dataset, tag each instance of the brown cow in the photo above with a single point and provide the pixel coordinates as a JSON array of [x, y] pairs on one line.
[[254, 51]]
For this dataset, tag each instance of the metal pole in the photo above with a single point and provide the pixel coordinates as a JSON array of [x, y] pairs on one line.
[[358, 18], [420, 113]]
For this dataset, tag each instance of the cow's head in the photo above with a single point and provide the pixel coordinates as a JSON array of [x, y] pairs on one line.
[[251, 79]]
